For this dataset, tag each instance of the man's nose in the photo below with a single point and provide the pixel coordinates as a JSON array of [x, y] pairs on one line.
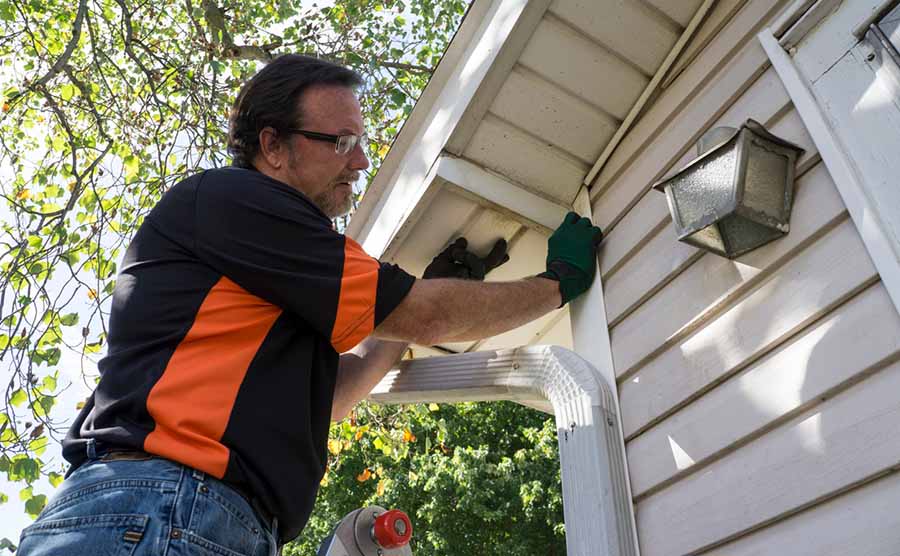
[[358, 158]]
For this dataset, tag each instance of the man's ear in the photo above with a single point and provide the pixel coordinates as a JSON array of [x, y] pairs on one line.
[[271, 147]]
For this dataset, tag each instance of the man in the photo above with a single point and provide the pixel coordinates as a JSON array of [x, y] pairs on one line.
[[207, 431]]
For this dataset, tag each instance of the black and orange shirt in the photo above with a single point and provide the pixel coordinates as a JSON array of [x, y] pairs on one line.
[[232, 305]]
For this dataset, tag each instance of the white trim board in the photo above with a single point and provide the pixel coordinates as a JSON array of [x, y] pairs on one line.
[[590, 339], [850, 184], [497, 190], [401, 182]]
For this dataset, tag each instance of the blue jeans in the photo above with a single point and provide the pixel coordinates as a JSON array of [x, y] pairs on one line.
[[146, 506]]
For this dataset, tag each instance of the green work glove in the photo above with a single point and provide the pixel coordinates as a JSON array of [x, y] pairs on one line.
[[456, 262], [572, 256]]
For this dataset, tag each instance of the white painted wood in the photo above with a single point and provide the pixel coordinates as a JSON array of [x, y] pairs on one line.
[[510, 51], [434, 230], [662, 257], [846, 440], [789, 16], [862, 105], [468, 33], [721, 14], [818, 51], [525, 159], [678, 138], [616, 23], [650, 90], [835, 267], [559, 333], [679, 11], [807, 20], [397, 188], [546, 111], [863, 522], [854, 338], [591, 340], [732, 49], [589, 68], [494, 189], [867, 211], [764, 98]]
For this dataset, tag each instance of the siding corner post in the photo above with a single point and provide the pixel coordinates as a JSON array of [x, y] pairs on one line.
[[598, 511], [847, 179], [590, 338]]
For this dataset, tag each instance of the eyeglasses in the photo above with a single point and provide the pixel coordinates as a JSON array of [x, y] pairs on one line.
[[343, 144]]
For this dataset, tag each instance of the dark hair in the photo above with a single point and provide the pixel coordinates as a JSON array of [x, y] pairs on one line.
[[270, 99]]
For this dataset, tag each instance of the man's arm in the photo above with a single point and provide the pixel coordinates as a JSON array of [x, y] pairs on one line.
[[437, 311], [452, 310], [447, 310], [360, 369], [499, 306]]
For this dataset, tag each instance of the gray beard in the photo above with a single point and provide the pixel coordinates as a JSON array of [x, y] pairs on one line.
[[330, 206]]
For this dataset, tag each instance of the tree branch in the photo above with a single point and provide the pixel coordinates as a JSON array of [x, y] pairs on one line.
[[412, 68], [70, 48], [215, 19]]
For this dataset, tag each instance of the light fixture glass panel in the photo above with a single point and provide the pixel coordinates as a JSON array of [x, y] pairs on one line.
[[744, 235], [706, 191], [708, 238], [764, 184]]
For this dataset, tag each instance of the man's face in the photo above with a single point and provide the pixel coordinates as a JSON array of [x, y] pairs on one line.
[[313, 167]]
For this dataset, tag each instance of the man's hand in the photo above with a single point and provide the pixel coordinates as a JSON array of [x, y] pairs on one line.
[[572, 256], [456, 262]]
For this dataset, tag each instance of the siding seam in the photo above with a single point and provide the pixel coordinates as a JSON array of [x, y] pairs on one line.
[[729, 299], [781, 420]]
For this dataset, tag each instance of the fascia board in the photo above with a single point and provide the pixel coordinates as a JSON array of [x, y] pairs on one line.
[[401, 182]]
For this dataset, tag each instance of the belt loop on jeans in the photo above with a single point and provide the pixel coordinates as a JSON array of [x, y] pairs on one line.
[[199, 475], [91, 449]]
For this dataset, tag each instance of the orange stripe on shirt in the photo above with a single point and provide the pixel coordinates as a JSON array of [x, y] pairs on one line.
[[355, 317], [191, 403]]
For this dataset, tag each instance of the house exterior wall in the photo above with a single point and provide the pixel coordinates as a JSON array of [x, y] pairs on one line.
[[758, 396]]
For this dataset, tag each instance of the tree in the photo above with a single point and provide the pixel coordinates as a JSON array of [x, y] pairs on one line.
[[470, 476], [105, 104]]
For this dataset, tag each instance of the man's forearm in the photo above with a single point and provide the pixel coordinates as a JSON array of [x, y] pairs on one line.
[[360, 370], [500, 307], [447, 310]]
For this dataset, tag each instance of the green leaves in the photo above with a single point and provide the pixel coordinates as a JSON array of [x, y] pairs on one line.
[[55, 479], [139, 105], [24, 468], [18, 397], [7, 11], [35, 504], [469, 475], [132, 166], [67, 91], [70, 319]]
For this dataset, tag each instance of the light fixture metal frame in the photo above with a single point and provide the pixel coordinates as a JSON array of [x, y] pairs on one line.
[[750, 131]]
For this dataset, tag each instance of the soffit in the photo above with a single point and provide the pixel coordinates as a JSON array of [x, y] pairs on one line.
[[565, 79]]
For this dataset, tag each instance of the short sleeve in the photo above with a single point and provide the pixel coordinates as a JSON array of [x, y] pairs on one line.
[[274, 242]]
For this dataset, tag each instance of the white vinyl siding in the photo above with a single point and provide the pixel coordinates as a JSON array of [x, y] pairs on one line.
[[759, 392]]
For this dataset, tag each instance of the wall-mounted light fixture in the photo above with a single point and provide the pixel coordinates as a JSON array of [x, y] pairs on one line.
[[737, 194]]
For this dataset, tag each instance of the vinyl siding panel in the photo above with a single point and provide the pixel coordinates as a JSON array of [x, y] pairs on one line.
[[758, 396]]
